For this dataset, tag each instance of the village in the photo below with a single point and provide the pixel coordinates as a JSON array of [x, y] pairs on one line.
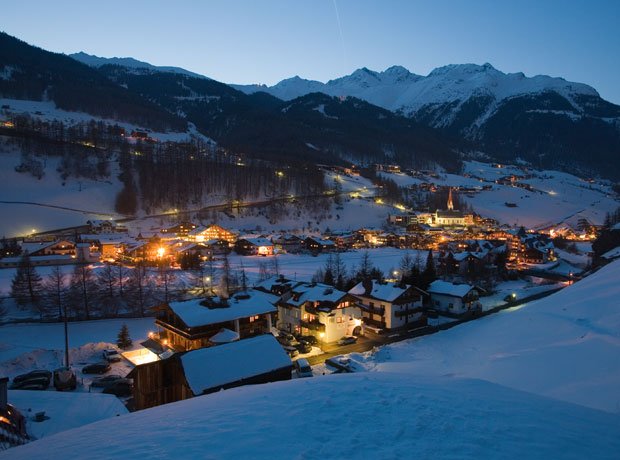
[[231, 309]]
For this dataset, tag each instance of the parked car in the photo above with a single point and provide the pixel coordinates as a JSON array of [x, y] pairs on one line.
[[97, 368], [111, 356], [102, 382], [303, 347], [347, 340], [34, 383], [309, 338], [286, 339], [292, 351], [33, 374], [65, 379], [303, 368], [120, 388]]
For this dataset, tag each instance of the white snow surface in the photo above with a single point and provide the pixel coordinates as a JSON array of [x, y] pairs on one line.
[[398, 89], [382, 291], [65, 410], [193, 314], [451, 289], [208, 368], [565, 346], [373, 415]]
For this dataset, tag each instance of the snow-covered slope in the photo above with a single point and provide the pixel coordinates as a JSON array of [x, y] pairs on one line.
[[131, 63], [347, 416], [566, 346], [397, 89]]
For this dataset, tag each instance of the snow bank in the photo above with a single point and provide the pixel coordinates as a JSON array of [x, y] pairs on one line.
[[565, 346], [347, 416]]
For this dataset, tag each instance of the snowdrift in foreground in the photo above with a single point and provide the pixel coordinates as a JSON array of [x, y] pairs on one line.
[[370, 415], [565, 346]]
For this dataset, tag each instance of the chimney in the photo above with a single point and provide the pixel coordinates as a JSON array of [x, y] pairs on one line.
[[367, 285], [4, 384]]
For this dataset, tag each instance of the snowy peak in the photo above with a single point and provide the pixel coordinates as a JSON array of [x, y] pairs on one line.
[[128, 62], [397, 89]]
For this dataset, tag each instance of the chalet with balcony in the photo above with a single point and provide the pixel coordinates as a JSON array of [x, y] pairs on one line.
[[190, 324], [319, 310], [213, 232], [289, 243], [316, 245], [104, 226], [454, 299], [390, 305], [254, 247], [49, 248], [181, 229]]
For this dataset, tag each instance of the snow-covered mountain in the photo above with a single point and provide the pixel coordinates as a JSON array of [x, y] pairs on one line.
[[129, 62], [399, 90], [541, 118]]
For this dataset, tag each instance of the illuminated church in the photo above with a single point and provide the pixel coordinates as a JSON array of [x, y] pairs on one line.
[[451, 217]]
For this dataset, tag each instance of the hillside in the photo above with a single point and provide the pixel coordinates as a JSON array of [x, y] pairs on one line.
[[540, 364], [566, 346], [548, 121], [30, 73], [315, 127], [372, 416]]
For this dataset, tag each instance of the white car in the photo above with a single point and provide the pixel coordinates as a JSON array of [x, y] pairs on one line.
[[111, 356], [303, 368]]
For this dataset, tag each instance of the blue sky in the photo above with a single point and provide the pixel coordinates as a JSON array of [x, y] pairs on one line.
[[268, 40]]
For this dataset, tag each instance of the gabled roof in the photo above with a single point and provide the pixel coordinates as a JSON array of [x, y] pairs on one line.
[[209, 368], [257, 241], [241, 305], [314, 292], [450, 289], [381, 291]]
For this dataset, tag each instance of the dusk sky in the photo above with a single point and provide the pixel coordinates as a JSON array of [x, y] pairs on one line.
[[267, 41]]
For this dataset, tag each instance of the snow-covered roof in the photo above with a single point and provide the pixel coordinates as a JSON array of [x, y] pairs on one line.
[[211, 367], [314, 292], [193, 314], [381, 291], [612, 254], [274, 281], [224, 336], [258, 241], [35, 246], [446, 288]]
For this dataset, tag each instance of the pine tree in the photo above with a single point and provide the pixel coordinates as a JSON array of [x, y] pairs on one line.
[[26, 285], [428, 275], [124, 340]]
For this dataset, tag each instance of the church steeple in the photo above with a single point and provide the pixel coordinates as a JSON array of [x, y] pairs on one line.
[[450, 204]]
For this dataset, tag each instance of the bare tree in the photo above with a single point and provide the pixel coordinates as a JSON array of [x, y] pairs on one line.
[[82, 289], [106, 286], [55, 291], [139, 290]]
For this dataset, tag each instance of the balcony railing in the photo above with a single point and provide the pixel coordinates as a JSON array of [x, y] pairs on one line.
[[374, 310], [374, 323], [313, 325], [409, 311]]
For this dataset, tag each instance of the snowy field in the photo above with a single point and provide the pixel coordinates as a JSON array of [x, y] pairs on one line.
[[365, 416]]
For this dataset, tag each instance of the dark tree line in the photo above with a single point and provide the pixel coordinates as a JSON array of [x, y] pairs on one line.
[[182, 175], [87, 294]]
